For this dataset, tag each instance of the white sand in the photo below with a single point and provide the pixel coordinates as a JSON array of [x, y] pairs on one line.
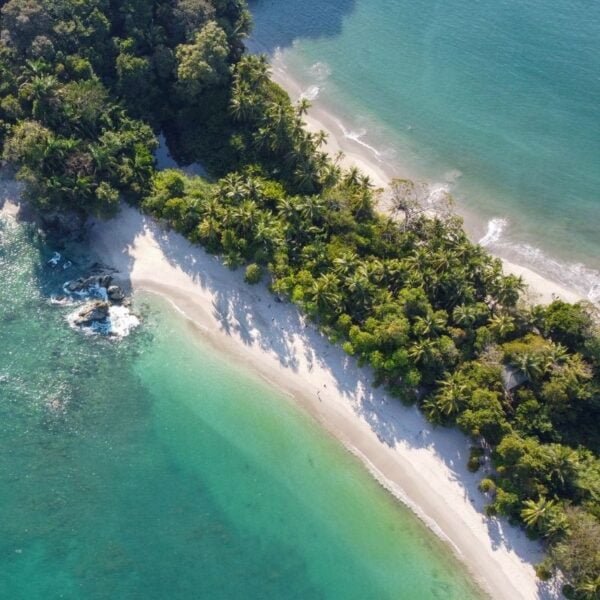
[[424, 467]]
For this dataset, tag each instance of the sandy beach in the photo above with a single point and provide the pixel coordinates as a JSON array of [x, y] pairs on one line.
[[424, 467]]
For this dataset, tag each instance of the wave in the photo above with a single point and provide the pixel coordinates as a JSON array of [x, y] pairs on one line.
[[356, 136], [121, 321], [575, 276], [320, 70], [119, 324], [56, 258], [311, 93], [495, 227]]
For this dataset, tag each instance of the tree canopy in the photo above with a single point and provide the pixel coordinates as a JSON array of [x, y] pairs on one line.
[[84, 88]]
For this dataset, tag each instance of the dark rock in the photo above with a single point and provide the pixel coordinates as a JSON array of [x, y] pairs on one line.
[[104, 281], [84, 284], [76, 285], [96, 310], [115, 293]]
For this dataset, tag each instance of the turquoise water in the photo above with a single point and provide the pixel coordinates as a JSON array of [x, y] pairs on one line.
[[151, 468], [499, 99]]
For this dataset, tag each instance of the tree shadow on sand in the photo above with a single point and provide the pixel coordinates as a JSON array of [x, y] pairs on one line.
[[252, 315]]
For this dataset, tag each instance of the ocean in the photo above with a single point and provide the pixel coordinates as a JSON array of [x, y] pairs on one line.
[[149, 466], [497, 100]]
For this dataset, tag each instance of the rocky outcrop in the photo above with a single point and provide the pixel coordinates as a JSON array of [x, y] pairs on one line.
[[85, 284], [115, 294], [92, 312]]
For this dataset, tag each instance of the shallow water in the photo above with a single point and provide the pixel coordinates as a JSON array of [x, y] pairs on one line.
[[149, 467], [500, 100]]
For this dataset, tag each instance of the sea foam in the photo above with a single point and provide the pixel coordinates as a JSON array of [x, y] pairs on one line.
[[575, 276], [311, 93], [495, 227]]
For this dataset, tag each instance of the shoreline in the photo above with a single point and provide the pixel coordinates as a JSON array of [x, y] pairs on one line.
[[423, 467], [541, 289]]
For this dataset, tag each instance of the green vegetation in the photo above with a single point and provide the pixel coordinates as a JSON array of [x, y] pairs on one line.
[[83, 87]]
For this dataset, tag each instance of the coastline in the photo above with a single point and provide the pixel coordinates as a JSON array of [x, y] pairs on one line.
[[423, 467], [358, 154]]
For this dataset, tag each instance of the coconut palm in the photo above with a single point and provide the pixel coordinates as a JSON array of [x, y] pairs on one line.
[[209, 231], [502, 325], [533, 512], [453, 393], [343, 265], [557, 355], [421, 350], [325, 294], [430, 325], [302, 107], [530, 364], [465, 315], [509, 289], [562, 463]]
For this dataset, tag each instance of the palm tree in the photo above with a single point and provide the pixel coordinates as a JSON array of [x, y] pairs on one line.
[[319, 138], [352, 177], [209, 230], [530, 364], [244, 217], [324, 293], [232, 188], [589, 589], [252, 69], [343, 265], [502, 325], [533, 513], [509, 290], [465, 316], [360, 288], [557, 355], [430, 325], [311, 208], [562, 463], [421, 350], [288, 209], [362, 204], [452, 395], [395, 273], [242, 104], [304, 175], [101, 157], [302, 107]]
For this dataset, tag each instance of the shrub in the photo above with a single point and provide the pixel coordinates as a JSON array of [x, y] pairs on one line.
[[253, 273]]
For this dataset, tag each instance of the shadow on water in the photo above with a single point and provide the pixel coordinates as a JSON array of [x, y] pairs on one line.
[[312, 19]]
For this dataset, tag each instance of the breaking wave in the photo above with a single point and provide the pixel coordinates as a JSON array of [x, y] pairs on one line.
[[574, 276]]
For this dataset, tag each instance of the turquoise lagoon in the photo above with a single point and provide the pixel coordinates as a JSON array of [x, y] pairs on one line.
[[151, 467]]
